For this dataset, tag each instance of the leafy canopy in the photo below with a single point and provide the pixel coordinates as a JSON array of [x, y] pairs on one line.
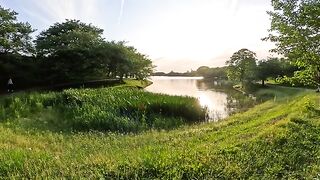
[[68, 35], [76, 51], [14, 36], [241, 66], [295, 28], [126, 60]]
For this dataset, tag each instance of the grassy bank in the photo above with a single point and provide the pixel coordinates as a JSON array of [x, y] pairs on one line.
[[118, 109], [277, 139], [137, 83]]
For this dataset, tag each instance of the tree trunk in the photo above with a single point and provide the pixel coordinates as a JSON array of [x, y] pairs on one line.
[[121, 77]]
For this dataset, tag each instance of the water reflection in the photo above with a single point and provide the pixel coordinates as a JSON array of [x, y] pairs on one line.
[[219, 97]]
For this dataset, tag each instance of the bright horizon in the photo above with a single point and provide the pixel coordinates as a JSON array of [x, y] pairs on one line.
[[177, 35]]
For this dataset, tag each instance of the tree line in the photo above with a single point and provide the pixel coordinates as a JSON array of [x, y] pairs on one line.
[[71, 51], [295, 30], [244, 67]]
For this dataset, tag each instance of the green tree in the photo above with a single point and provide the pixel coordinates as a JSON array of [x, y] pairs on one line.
[[241, 66], [211, 73], [295, 28], [69, 51], [141, 65], [68, 35], [14, 36], [115, 59], [73, 65], [270, 68], [203, 71], [144, 67], [118, 59], [217, 73]]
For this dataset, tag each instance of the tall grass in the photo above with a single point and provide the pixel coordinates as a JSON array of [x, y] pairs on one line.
[[274, 140], [107, 109]]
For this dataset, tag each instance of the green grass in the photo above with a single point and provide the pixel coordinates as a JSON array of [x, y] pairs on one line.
[[277, 139], [117, 109], [275, 92], [272, 81], [137, 83]]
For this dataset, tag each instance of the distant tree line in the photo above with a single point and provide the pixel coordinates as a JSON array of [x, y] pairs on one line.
[[243, 67], [172, 73], [70, 51], [214, 73], [204, 71]]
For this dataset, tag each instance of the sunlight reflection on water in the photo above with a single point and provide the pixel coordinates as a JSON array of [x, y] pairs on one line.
[[215, 101]]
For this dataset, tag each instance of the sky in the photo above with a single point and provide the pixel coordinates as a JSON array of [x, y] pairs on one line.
[[177, 35]]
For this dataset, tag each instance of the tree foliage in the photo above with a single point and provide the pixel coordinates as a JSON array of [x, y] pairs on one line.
[[295, 28], [71, 51], [68, 35], [122, 60], [212, 73], [14, 36], [74, 51], [275, 68], [241, 66]]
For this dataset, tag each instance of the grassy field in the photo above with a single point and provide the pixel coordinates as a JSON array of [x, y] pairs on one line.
[[277, 139]]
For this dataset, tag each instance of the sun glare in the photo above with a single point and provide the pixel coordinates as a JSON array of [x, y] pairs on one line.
[[205, 101]]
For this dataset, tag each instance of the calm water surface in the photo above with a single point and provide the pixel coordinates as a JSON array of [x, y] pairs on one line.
[[220, 99]]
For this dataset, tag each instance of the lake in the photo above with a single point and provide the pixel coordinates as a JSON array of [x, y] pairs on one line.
[[218, 97]]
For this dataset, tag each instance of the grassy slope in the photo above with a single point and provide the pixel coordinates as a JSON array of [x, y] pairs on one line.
[[277, 139]]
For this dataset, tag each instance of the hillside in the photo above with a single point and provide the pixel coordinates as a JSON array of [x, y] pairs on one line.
[[277, 139]]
